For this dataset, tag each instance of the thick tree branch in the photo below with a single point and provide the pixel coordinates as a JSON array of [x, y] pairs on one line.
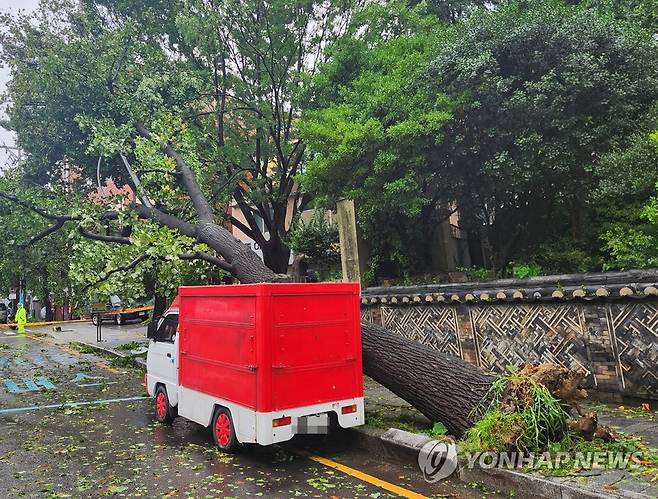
[[45, 233], [165, 219], [297, 152], [102, 237], [35, 209], [264, 212], [202, 255], [61, 220], [121, 268], [257, 235], [245, 230], [201, 204], [304, 202]]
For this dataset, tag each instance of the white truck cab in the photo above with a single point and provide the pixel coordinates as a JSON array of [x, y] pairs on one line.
[[162, 362]]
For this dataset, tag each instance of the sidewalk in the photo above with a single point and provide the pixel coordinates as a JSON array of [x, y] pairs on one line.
[[113, 336], [384, 410]]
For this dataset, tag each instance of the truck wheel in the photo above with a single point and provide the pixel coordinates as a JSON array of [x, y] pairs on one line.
[[118, 320], [94, 320], [164, 412], [223, 431]]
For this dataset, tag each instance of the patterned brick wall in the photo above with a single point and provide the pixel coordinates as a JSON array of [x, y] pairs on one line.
[[615, 343]]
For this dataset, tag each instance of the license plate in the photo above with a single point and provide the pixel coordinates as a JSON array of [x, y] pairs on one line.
[[316, 424]]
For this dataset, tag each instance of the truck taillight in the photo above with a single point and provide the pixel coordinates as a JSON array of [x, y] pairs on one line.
[[284, 421], [348, 409]]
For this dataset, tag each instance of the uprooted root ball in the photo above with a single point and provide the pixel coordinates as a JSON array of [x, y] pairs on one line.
[[529, 409]]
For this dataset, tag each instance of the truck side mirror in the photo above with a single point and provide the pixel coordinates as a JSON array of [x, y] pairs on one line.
[[152, 330]]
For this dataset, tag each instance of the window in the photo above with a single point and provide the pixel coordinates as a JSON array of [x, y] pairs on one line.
[[168, 328]]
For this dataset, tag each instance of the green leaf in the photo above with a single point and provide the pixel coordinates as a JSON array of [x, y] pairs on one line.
[[438, 429]]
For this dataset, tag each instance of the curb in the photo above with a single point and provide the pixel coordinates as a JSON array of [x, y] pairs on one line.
[[136, 361], [404, 446]]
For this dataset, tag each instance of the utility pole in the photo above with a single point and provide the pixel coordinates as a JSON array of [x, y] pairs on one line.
[[352, 254]]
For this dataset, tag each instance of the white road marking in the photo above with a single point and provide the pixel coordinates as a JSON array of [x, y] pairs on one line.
[[14, 410]]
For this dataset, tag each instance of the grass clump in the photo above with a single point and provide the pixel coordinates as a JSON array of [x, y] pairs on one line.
[[641, 459], [521, 414], [545, 419], [495, 432], [133, 345], [518, 413], [82, 348]]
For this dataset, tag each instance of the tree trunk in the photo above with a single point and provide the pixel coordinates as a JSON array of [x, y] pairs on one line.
[[159, 305], [442, 387], [247, 265], [160, 302], [276, 255]]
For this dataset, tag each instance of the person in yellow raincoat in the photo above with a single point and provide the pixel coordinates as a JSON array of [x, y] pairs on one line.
[[21, 318]]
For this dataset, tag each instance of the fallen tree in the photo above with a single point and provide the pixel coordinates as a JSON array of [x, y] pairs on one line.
[[219, 81], [442, 387]]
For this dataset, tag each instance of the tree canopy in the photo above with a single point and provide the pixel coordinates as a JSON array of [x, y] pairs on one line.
[[506, 115], [545, 90], [98, 87], [520, 115], [372, 126]]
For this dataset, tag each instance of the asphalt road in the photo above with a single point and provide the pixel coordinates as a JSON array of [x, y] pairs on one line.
[[75, 426]]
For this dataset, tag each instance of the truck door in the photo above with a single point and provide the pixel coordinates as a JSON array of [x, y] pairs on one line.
[[162, 360]]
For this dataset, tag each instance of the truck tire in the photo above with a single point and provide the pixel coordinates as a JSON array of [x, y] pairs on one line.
[[119, 320], [223, 430], [164, 412]]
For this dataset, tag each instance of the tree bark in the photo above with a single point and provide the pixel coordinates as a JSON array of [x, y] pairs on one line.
[[246, 265], [276, 255], [442, 387], [159, 305]]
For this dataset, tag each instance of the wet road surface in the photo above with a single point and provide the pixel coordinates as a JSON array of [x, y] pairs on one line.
[[50, 447]]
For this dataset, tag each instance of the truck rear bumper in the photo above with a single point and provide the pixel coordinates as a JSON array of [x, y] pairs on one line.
[[267, 428], [267, 433]]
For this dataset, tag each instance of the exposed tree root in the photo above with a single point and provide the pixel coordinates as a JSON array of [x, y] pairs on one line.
[[534, 407]]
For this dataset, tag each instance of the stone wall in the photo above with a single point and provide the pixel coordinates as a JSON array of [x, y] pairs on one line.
[[605, 325]]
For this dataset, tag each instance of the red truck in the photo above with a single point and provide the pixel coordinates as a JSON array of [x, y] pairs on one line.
[[259, 362]]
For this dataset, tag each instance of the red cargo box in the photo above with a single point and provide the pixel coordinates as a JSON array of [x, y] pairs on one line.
[[270, 347]]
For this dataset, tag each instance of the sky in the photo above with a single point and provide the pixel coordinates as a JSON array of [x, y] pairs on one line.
[[12, 6]]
